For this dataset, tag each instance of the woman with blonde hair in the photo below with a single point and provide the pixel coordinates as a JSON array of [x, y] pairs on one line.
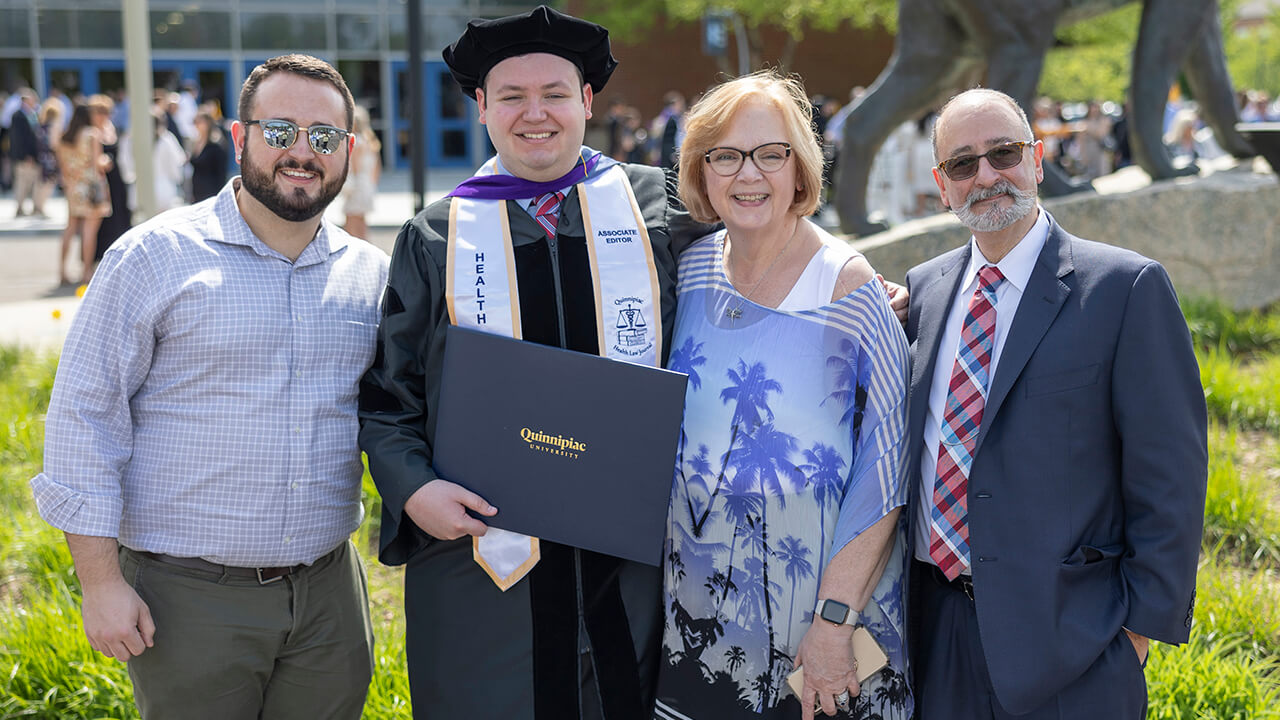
[[783, 527], [84, 182], [50, 118], [362, 180]]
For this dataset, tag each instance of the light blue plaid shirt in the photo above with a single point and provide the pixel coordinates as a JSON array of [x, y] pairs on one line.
[[205, 401]]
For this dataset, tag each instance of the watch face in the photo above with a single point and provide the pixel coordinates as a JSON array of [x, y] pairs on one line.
[[835, 612]]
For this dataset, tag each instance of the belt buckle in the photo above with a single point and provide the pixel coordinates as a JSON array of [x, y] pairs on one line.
[[966, 584], [266, 581]]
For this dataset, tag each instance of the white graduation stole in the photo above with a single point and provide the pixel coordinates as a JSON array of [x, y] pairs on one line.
[[481, 293]]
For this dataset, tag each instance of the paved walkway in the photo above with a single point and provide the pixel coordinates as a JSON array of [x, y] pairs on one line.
[[394, 204], [35, 312]]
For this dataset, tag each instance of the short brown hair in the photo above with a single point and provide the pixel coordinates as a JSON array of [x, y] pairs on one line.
[[297, 64], [711, 114]]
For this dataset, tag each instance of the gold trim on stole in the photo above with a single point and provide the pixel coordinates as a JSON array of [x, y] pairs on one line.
[[602, 339]]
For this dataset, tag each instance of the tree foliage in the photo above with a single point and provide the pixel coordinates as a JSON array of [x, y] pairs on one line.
[[1253, 56], [632, 20], [1092, 59]]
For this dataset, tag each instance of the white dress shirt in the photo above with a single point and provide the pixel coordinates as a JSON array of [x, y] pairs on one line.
[[1016, 267]]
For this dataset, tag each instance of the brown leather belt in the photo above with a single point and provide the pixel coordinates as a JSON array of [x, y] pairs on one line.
[[264, 575]]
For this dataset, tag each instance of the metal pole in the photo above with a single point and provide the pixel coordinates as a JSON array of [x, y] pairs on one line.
[[137, 82], [417, 129], [744, 56]]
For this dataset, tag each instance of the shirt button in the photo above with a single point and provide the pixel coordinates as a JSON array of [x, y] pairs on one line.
[[297, 428], [297, 373], [298, 317], [293, 486], [288, 539]]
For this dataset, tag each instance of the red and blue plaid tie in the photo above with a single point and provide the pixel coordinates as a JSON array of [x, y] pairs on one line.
[[547, 211], [966, 399]]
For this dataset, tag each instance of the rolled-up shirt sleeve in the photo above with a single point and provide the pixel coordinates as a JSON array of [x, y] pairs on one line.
[[89, 426]]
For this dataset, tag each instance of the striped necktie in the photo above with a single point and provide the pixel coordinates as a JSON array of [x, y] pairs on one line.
[[966, 399], [547, 211]]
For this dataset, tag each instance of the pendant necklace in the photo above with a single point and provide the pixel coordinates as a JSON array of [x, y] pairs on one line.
[[733, 313]]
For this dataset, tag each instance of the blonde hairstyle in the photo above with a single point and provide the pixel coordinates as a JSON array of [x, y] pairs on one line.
[[362, 127], [101, 103], [706, 124], [51, 110]]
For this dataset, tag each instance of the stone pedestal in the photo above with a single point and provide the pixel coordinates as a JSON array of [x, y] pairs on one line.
[[1217, 234]]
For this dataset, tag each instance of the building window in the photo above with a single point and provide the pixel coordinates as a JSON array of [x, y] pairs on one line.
[[357, 32], [100, 29], [438, 31], [182, 30], [14, 30], [286, 32]]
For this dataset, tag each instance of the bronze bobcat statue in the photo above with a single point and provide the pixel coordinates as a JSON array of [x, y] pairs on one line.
[[945, 46]]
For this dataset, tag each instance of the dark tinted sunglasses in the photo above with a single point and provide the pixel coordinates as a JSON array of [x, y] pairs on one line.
[[282, 134], [1001, 157]]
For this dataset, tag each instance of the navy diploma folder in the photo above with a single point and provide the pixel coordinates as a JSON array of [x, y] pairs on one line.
[[570, 447]]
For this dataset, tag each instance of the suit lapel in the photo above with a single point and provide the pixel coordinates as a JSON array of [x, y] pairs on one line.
[[1041, 302], [932, 301], [935, 302]]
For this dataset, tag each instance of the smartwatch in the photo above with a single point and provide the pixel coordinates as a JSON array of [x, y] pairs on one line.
[[836, 613]]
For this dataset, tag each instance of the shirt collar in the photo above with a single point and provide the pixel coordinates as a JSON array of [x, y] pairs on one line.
[[227, 225], [1017, 265], [494, 166]]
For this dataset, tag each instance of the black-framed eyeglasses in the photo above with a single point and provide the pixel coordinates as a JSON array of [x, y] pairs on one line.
[[1001, 157], [769, 157], [282, 134]]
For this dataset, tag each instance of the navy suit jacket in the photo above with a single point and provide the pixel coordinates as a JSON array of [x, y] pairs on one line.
[[1086, 494]]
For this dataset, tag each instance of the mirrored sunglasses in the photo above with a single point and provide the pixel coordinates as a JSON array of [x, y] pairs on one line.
[[1001, 157], [769, 157], [282, 134]]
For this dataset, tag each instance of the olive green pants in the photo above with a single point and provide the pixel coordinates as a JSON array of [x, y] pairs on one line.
[[228, 647]]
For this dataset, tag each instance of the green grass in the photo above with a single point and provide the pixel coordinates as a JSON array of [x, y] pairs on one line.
[[47, 669], [1210, 680], [1230, 669], [1238, 512], [1238, 605], [1214, 325], [1246, 394]]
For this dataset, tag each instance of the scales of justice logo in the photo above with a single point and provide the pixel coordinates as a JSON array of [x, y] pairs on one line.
[[633, 331]]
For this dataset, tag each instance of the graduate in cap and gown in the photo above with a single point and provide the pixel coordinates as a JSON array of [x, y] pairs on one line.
[[501, 625]]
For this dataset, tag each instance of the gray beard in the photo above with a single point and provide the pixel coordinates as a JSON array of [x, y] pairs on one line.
[[996, 218]]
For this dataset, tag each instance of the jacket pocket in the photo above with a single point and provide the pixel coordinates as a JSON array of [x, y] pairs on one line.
[[1086, 555], [1062, 381]]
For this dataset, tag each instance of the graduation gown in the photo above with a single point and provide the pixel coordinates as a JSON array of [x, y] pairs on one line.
[[580, 635]]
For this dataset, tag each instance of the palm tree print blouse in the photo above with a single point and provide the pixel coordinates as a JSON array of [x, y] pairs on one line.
[[791, 446]]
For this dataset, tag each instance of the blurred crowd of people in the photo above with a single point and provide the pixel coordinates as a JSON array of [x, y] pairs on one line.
[[1085, 140], [81, 145]]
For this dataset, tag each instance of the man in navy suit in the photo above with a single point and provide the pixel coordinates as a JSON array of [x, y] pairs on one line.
[[1058, 448]]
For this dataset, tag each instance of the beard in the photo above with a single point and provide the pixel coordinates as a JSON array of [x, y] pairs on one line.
[[295, 206], [996, 218]]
